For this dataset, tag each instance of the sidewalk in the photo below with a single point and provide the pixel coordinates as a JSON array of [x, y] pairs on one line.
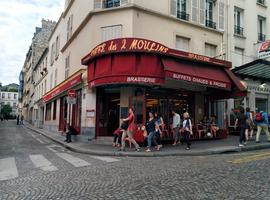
[[205, 147]]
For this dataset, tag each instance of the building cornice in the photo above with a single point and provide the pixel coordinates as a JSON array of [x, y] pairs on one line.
[[130, 6]]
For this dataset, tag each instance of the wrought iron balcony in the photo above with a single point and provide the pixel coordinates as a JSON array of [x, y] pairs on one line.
[[238, 30], [261, 2], [111, 4], [183, 15], [261, 37], [210, 24]]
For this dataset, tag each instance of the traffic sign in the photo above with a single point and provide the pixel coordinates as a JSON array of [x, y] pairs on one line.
[[71, 100], [71, 93]]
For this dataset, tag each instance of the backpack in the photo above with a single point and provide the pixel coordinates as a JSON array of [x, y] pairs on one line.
[[259, 117]]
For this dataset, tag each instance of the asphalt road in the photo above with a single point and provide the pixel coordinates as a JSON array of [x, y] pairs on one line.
[[33, 167]]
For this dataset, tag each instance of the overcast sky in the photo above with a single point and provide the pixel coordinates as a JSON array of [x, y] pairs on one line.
[[18, 19]]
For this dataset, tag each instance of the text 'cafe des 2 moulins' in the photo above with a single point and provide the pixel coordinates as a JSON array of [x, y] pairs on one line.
[[146, 75]]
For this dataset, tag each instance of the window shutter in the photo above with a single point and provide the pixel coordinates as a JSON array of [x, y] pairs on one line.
[[173, 7], [195, 10], [124, 2], [202, 12], [97, 4], [221, 13]]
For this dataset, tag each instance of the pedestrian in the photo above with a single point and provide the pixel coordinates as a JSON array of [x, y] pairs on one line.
[[151, 126], [70, 131], [262, 122], [176, 127], [187, 129], [130, 130], [249, 123], [18, 119], [22, 118], [159, 129], [241, 121]]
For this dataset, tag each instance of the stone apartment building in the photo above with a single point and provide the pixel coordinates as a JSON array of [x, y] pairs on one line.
[[193, 32], [27, 77], [9, 98]]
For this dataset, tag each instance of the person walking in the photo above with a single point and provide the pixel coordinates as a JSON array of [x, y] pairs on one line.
[[187, 129], [176, 126], [22, 118], [249, 123], [130, 130], [241, 120], [159, 129], [151, 126], [18, 119], [262, 122]]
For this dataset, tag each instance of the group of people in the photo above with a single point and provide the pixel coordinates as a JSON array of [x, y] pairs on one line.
[[152, 130], [246, 122]]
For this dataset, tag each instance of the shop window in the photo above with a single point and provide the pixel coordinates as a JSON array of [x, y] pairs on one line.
[[54, 109], [111, 32], [48, 111]]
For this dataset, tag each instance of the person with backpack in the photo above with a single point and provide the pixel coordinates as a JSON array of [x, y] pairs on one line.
[[262, 122], [249, 124], [187, 129]]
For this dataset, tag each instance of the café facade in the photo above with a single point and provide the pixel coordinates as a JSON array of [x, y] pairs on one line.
[[148, 76]]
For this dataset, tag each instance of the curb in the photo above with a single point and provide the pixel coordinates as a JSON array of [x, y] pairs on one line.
[[153, 154]]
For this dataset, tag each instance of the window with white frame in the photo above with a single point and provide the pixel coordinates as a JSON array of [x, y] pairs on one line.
[[45, 86], [55, 77], [182, 43], [51, 81], [238, 58], [69, 27], [109, 3], [261, 28], [52, 53], [111, 32], [57, 47], [238, 21], [67, 66], [178, 8], [3, 95], [221, 15], [210, 50], [9, 95], [15, 96]]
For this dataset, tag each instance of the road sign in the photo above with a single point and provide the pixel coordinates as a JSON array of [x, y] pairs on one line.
[[71, 93], [71, 100]]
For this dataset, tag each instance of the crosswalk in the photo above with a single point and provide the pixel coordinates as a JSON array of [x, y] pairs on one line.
[[8, 166]]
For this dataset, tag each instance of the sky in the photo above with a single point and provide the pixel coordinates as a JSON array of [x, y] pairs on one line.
[[18, 19]]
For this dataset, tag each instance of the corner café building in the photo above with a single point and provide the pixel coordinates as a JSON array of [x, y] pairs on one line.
[[150, 76]]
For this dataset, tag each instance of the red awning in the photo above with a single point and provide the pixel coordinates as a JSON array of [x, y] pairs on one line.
[[210, 76]]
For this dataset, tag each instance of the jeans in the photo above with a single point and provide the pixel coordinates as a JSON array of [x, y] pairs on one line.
[[150, 138], [242, 135], [176, 134], [157, 138], [186, 135], [131, 139], [68, 137], [265, 129]]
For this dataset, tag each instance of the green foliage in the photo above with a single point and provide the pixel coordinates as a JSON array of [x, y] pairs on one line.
[[12, 90], [6, 110]]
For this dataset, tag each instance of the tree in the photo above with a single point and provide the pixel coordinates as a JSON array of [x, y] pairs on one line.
[[6, 110]]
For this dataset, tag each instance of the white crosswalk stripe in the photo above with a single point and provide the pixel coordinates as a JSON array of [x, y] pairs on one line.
[[8, 169], [105, 159], [76, 162], [42, 163]]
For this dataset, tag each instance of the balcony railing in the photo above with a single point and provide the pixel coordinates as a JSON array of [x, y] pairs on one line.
[[261, 2], [111, 4], [261, 37], [210, 24], [183, 15], [238, 30]]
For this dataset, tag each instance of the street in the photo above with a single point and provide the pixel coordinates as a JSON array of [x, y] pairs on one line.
[[33, 167]]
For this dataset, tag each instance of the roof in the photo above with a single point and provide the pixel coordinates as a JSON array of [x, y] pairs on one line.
[[258, 69]]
